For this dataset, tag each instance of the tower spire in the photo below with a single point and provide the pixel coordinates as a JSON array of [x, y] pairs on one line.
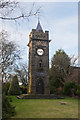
[[38, 25]]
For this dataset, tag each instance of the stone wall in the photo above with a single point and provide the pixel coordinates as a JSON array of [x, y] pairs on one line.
[[37, 72]]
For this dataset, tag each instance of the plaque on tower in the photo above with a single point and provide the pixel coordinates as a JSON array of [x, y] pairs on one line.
[[38, 82]]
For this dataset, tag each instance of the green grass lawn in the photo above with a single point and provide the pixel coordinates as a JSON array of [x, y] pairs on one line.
[[45, 108]]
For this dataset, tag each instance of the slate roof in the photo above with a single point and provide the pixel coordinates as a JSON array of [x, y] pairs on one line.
[[38, 27]]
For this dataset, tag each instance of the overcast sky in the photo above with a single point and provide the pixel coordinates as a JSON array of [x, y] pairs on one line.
[[59, 18]]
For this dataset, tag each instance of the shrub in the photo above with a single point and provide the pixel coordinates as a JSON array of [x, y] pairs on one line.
[[5, 87], [23, 89], [68, 87], [78, 90], [54, 85], [14, 86], [7, 109]]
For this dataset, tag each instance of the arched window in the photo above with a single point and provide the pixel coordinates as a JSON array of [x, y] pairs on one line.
[[40, 87], [40, 63]]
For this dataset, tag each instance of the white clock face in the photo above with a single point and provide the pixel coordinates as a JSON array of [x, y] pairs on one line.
[[40, 51]]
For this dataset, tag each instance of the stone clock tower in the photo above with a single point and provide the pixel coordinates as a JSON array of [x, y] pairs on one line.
[[38, 61]]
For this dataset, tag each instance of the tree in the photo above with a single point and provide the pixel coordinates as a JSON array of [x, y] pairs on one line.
[[8, 54], [7, 109], [60, 69], [61, 65], [5, 88], [9, 6], [22, 73], [14, 86]]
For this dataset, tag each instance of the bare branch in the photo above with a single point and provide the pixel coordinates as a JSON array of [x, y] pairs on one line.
[[8, 4], [22, 16]]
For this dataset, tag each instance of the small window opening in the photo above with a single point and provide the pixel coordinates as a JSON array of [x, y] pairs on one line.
[[40, 65]]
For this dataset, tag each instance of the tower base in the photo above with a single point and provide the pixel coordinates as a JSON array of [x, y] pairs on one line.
[[39, 96]]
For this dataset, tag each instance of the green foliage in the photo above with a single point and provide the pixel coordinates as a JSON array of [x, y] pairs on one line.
[[7, 109], [5, 87], [60, 70], [60, 52], [51, 87], [61, 61], [14, 87], [54, 84], [78, 90], [68, 86], [23, 89]]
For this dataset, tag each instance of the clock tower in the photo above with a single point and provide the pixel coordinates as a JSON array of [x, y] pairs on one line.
[[38, 82]]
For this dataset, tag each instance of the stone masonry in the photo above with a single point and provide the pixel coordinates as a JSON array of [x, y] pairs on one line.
[[38, 64]]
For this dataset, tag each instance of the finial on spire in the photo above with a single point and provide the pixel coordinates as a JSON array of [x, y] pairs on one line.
[[38, 25]]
